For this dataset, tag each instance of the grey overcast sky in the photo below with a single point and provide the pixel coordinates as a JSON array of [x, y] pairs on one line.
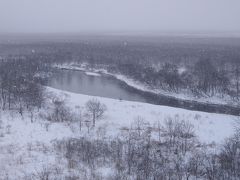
[[63, 16]]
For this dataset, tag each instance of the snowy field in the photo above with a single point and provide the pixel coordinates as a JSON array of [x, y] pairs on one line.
[[27, 147], [210, 127]]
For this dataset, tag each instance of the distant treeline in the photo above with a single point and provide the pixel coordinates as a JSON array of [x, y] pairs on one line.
[[202, 78]]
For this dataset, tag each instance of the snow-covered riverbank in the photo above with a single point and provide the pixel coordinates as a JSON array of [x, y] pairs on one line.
[[138, 85], [209, 126]]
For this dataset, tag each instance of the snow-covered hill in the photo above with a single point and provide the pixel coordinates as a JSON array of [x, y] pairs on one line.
[[27, 147]]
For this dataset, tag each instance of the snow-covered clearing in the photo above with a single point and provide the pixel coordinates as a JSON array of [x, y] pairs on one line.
[[27, 147]]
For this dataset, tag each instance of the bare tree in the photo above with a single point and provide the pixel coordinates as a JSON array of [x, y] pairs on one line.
[[229, 157], [95, 110], [79, 117], [44, 174]]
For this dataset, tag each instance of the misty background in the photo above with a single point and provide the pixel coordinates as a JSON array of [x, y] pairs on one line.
[[73, 16]]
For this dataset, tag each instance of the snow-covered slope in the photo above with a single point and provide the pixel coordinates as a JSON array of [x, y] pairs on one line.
[[208, 126], [27, 147]]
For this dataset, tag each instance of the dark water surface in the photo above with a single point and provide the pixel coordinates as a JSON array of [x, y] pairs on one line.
[[104, 86], [108, 86]]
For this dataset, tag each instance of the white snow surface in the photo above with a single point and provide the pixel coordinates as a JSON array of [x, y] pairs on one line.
[[92, 74], [27, 147], [210, 127]]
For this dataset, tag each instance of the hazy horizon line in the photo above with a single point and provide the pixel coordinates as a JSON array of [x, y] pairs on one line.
[[208, 33]]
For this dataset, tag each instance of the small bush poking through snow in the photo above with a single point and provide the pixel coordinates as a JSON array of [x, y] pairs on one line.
[[61, 113]]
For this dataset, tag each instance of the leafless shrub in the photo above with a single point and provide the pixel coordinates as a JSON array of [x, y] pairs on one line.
[[43, 174], [61, 113]]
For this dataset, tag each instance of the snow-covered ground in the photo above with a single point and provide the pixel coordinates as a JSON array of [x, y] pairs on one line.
[[210, 127], [92, 74], [27, 147], [138, 85]]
